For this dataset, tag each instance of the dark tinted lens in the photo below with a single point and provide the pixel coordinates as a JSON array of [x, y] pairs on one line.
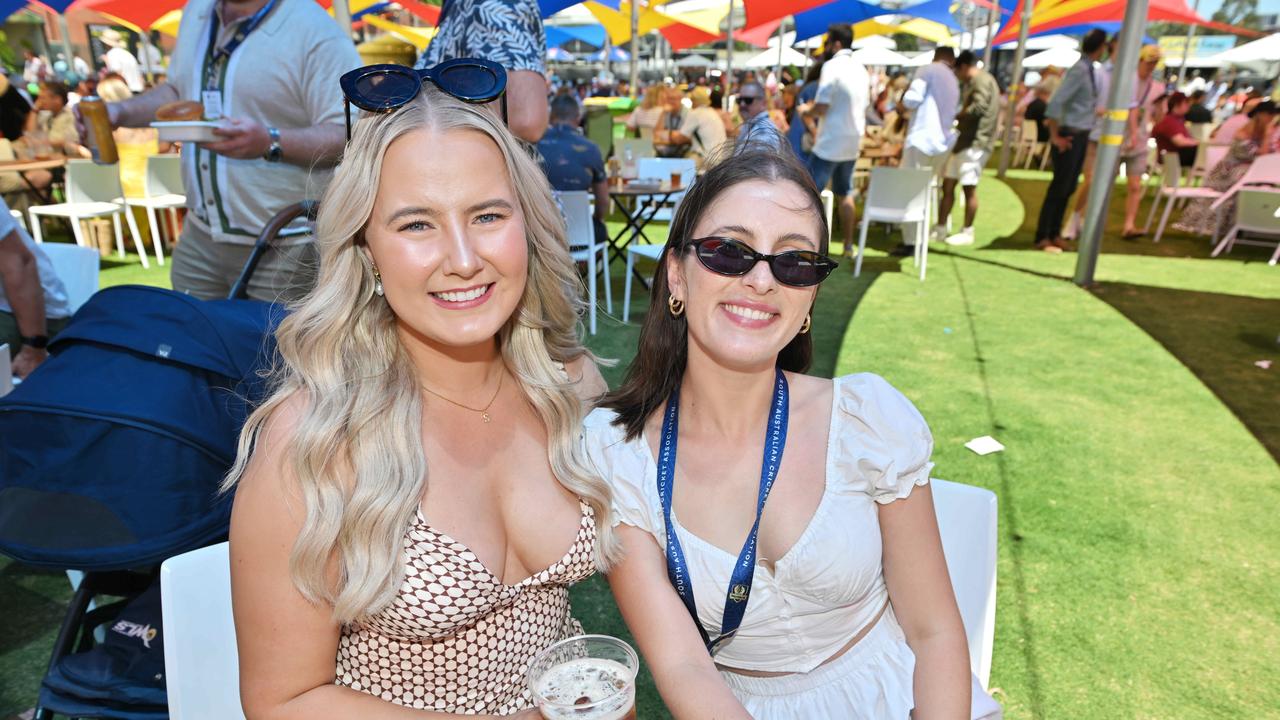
[[745, 100], [801, 268], [725, 257], [469, 82], [385, 90]]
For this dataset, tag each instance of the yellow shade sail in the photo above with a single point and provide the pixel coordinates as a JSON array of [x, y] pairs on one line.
[[419, 37]]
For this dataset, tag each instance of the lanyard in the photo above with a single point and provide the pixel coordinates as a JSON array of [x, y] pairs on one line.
[[735, 603], [215, 56]]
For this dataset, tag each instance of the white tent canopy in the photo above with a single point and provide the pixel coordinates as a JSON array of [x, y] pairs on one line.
[[879, 57], [696, 61], [875, 41], [1059, 57], [769, 58]]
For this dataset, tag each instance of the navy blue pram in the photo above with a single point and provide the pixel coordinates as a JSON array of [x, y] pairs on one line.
[[111, 458]]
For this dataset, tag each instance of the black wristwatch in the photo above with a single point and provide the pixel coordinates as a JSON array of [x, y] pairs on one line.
[[274, 152], [39, 342]]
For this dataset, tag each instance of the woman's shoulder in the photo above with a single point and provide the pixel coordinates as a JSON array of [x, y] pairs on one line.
[[865, 393], [881, 443]]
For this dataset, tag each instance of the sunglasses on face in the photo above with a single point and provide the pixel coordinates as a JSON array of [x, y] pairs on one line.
[[733, 258], [745, 100], [385, 88]]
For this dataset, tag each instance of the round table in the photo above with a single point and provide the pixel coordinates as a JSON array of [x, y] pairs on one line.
[[22, 167], [638, 203]]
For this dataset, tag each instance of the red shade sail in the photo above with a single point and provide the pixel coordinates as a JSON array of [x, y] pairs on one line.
[[762, 11], [142, 13]]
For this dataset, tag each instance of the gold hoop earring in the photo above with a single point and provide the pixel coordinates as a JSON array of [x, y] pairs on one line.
[[808, 320], [676, 306], [377, 281]]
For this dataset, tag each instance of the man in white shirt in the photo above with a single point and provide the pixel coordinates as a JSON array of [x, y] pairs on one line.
[[34, 68], [33, 301], [844, 91], [120, 61], [933, 99]]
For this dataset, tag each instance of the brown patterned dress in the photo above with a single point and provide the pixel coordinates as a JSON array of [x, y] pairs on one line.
[[456, 639]]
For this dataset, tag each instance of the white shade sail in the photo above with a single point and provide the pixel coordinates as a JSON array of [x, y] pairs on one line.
[[1266, 49], [769, 58], [1062, 57], [880, 57]]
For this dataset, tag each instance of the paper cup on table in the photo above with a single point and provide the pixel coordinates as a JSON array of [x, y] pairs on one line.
[[586, 677]]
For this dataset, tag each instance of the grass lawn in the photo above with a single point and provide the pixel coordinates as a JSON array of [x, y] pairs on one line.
[[1138, 565]]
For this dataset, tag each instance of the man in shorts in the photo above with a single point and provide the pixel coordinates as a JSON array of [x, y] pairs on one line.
[[1145, 111], [979, 112]]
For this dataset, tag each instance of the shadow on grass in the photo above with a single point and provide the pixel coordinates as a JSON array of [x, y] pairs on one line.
[[1008, 509], [1218, 337], [38, 611]]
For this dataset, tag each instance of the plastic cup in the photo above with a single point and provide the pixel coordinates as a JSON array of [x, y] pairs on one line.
[[675, 179], [586, 677]]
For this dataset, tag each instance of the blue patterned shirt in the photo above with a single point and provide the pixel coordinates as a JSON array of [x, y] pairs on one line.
[[571, 161], [508, 32]]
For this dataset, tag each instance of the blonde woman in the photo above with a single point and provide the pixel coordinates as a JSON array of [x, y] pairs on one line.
[[645, 118], [385, 561]]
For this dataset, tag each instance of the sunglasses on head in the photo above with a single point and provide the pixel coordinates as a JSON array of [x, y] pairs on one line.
[[384, 88], [734, 258]]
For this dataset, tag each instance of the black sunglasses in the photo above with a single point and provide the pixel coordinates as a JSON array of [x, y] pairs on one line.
[[797, 268], [384, 88], [746, 100]]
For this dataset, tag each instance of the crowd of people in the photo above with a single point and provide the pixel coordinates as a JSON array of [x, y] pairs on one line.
[[432, 385]]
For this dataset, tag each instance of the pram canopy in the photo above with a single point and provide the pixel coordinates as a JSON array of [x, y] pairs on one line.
[[112, 452]]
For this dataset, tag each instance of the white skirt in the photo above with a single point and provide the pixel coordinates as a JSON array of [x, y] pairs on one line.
[[871, 681]]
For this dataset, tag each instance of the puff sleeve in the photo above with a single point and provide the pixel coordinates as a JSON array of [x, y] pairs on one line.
[[883, 445], [622, 466]]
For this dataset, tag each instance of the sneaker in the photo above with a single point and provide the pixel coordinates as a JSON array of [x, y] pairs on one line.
[[964, 237], [1073, 226], [939, 233]]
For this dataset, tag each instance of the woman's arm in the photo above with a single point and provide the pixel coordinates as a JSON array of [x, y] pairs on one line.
[[287, 645], [915, 573], [686, 677]]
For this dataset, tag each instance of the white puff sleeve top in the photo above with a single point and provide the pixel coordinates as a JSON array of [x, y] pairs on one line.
[[830, 584]]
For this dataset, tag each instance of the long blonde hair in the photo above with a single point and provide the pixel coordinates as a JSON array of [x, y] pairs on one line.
[[356, 450]]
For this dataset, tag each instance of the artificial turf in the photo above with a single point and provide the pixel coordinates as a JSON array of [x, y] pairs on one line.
[[1138, 562]]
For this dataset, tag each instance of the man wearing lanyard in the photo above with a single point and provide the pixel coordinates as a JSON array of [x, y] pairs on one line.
[[1070, 115], [268, 71]]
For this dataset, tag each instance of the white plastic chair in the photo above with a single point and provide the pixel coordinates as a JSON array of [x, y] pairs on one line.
[[651, 168], [652, 252], [6, 370], [584, 248], [1207, 156], [162, 190], [1257, 213], [92, 191], [22, 219], [898, 195], [1171, 190], [640, 147], [967, 520], [77, 268], [828, 209], [200, 657]]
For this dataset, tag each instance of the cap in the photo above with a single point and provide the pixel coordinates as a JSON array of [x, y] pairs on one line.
[[700, 96], [1150, 53]]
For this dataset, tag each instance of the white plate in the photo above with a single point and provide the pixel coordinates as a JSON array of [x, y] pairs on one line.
[[187, 130]]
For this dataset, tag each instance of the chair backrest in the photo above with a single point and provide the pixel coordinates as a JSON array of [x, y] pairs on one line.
[[77, 268], [899, 189], [1213, 154], [1030, 131], [89, 182], [164, 176], [967, 518], [1200, 131], [1257, 210], [200, 660], [1172, 177], [6, 370], [640, 147], [1265, 169], [651, 168], [577, 216]]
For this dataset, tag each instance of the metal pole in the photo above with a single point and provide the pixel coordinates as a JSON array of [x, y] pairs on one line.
[[1015, 85], [146, 53], [1113, 125], [728, 62], [66, 44], [635, 45], [1186, 49], [342, 13], [777, 69], [993, 21]]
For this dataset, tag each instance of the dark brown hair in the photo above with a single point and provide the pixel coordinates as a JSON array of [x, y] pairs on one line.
[[664, 341]]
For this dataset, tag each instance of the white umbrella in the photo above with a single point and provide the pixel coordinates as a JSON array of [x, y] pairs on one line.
[[1060, 57], [695, 61], [769, 58], [1266, 49], [879, 57], [919, 59], [875, 41]]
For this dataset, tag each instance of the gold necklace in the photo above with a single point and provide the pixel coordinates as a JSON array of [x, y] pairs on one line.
[[484, 411]]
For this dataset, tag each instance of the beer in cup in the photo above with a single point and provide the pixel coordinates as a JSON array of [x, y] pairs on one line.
[[586, 677]]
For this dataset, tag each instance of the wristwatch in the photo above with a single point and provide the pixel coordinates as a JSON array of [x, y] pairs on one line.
[[39, 342], [274, 152]]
